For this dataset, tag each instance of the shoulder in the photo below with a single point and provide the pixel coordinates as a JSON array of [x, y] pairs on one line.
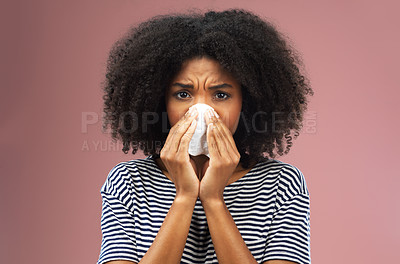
[[122, 176], [289, 180], [293, 179]]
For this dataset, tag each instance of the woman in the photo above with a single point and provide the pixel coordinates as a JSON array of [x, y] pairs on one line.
[[234, 205]]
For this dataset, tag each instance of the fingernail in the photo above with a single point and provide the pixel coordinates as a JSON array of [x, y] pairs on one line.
[[189, 112], [193, 111], [216, 114], [210, 114]]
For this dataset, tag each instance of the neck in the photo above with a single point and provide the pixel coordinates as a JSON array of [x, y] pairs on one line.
[[199, 160], [202, 159]]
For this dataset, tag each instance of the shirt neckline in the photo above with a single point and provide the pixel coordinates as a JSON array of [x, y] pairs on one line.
[[251, 171]]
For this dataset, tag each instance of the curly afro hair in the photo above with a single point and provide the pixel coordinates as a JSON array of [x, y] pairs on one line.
[[143, 62]]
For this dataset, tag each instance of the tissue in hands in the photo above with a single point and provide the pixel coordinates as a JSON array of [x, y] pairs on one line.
[[198, 143]]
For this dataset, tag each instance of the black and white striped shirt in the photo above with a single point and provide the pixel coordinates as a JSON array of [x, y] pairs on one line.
[[270, 206]]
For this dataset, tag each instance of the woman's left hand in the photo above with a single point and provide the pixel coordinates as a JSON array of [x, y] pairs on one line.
[[224, 158]]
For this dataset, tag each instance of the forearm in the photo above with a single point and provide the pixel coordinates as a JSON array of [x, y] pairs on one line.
[[228, 242], [170, 241]]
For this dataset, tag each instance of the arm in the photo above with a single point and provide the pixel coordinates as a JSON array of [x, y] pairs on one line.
[[228, 242], [170, 241]]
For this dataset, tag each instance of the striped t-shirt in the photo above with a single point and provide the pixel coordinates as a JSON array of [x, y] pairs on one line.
[[270, 206]]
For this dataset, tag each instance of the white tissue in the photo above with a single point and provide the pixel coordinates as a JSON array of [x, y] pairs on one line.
[[198, 143]]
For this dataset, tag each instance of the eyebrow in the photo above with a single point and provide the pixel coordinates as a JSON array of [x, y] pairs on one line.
[[224, 85]]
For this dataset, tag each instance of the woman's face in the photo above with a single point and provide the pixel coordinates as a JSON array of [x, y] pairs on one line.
[[203, 80]]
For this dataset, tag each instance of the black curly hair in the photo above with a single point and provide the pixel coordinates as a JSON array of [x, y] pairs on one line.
[[143, 62]]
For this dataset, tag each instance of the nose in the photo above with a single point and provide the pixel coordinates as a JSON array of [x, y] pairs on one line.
[[202, 97], [200, 100], [202, 110]]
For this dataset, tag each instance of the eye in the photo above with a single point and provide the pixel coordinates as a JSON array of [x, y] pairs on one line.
[[222, 96], [181, 95]]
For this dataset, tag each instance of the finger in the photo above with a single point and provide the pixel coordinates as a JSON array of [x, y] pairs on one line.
[[218, 139], [221, 140], [173, 128], [180, 130], [180, 122], [212, 147], [185, 140], [208, 116], [226, 133]]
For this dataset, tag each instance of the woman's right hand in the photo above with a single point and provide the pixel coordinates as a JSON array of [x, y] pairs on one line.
[[176, 159]]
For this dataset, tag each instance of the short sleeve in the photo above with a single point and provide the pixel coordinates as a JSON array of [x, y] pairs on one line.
[[117, 218], [289, 232]]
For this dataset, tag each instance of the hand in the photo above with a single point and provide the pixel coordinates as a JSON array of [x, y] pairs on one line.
[[224, 158], [175, 156]]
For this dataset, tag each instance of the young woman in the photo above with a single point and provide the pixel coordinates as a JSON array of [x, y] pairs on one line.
[[235, 205]]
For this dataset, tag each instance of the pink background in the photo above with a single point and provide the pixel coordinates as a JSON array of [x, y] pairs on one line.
[[52, 63]]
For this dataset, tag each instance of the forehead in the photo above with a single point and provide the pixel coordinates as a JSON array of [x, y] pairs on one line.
[[202, 68]]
